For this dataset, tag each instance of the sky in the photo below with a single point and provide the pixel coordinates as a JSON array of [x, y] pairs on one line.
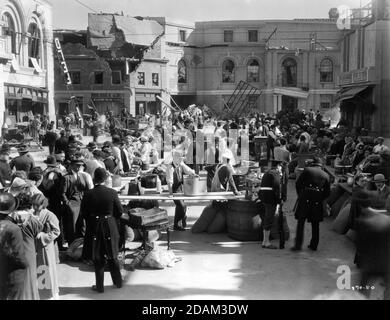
[[70, 14]]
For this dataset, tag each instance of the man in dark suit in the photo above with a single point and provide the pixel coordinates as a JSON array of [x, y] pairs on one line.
[[272, 194], [313, 187], [24, 162], [101, 209]]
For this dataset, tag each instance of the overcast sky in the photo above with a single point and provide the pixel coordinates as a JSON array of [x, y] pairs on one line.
[[73, 15]]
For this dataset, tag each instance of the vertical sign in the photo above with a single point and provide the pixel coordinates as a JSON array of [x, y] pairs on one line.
[[62, 62]]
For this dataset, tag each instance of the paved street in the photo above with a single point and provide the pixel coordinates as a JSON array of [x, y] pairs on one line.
[[216, 267]]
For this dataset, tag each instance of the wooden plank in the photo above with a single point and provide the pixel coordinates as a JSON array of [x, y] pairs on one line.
[[209, 196]]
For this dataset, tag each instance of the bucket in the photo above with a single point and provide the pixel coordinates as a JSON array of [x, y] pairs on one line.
[[243, 220], [194, 186], [116, 181]]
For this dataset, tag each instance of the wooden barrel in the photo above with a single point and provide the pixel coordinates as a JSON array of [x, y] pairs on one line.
[[243, 220]]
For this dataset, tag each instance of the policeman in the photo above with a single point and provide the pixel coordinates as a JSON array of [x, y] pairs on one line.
[[271, 195], [313, 187]]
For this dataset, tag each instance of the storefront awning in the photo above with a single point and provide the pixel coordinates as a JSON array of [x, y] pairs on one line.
[[145, 97], [349, 93]]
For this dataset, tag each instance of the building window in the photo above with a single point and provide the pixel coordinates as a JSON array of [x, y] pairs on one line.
[[34, 43], [182, 72], [75, 77], [253, 36], [228, 36], [326, 101], [253, 70], [116, 77], [228, 69], [289, 73], [155, 79], [9, 32], [326, 71], [98, 77], [141, 78], [182, 35]]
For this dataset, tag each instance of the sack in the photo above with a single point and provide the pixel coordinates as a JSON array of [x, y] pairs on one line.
[[159, 259], [219, 223], [340, 225], [206, 218], [75, 250]]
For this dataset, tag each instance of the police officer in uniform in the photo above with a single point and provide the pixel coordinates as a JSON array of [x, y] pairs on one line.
[[272, 195], [313, 187]]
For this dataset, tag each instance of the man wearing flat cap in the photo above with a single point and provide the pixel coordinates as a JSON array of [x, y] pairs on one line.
[[313, 187]]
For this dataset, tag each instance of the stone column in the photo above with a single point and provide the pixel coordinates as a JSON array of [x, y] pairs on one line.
[[2, 97]]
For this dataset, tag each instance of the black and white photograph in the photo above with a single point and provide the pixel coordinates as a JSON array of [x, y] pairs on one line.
[[208, 150]]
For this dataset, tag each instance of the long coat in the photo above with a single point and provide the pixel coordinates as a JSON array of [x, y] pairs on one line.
[[13, 262], [101, 209], [313, 187], [272, 179]]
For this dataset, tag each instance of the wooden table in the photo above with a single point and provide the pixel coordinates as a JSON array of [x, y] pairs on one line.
[[180, 196]]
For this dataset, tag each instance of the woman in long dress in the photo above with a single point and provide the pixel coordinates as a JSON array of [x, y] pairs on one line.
[[30, 227], [46, 257]]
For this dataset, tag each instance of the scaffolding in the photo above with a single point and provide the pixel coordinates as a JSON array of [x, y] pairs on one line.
[[242, 101]]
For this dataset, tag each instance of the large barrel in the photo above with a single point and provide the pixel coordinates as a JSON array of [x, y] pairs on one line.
[[243, 220]]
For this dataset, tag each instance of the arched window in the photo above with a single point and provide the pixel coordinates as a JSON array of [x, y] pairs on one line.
[[289, 73], [182, 72], [253, 70], [326, 70], [228, 69], [9, 32], [34, 43]]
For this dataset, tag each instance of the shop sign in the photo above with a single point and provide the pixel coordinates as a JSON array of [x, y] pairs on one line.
[[61, 59]]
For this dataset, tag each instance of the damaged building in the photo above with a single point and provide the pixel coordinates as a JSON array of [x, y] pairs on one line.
[[102, 62]]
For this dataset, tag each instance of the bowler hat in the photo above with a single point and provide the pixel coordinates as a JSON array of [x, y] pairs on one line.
[[51, 161], [379, 178], [23, 149], [8, 203], [91, 146]]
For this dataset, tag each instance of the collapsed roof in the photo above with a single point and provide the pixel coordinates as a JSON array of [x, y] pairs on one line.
[[110, 31]]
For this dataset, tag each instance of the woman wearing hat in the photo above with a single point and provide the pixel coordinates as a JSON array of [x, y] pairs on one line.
[[13, 262], [72, 188]]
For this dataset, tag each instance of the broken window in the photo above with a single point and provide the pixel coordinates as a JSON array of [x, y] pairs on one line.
[[9, 32], [34, 43]]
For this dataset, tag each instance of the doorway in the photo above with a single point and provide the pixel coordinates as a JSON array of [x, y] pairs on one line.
[[289, 103]]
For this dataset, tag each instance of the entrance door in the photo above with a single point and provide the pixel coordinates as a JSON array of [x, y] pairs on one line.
[[289, 103]]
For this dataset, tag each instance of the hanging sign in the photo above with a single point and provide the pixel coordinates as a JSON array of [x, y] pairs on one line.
[[62, 62]]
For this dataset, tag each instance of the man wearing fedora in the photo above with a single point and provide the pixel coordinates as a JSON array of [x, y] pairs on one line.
[[13, 262], [313, 187], [382, 191], [24, 162]]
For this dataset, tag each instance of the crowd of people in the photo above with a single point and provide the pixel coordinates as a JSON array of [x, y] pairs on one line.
[[44, 209]]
